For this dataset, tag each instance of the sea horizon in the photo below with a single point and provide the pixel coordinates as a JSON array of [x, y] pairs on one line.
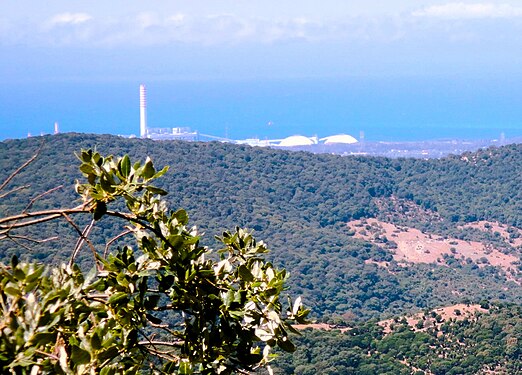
[[388, 110]]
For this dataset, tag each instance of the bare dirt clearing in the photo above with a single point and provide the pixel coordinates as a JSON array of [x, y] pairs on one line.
[[412, 245], [419, 321], [435, 318]]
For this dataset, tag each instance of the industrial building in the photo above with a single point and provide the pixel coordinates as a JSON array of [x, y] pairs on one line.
[[186, 134]]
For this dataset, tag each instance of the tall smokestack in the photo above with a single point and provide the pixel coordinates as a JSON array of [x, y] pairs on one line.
[[56, 128], [143, 112]]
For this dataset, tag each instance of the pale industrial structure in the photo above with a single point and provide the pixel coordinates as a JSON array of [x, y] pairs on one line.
[[186, 134]]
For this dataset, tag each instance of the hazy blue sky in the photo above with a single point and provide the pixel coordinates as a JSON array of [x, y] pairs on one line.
[[196, 39]]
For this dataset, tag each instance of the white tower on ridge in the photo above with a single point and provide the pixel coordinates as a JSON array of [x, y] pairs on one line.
[[143, 112]]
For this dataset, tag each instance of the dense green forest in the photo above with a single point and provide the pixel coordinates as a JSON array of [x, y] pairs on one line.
[[483, 343], [299, 203]]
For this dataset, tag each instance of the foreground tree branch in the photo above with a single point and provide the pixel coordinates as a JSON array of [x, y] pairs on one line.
[[158, 302]]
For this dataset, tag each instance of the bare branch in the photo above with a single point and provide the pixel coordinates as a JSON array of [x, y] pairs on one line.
[[132, 218], [81, 240], [39, 196], [28, 223], [48, 215], [175, 344], [13, 191], [17, 242], [108, 244], [165, 355], [22, 167], [32, 239], [50, 355], [166, 328]]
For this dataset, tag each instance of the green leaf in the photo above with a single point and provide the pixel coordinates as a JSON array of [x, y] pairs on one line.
[[87, 169], [155, 190], [86, 156], [162, 172], [124, 166], [43, 338], [181, 216], [153, 319], [118, 298], [245, 273], [36, 274], [96, 342], [99, 210], [106, 184], [151, 301], [122, 279], [108, 371], [285, 344], [19, 274], [185, 368], [80, 356], [14, 261], [148, 170]]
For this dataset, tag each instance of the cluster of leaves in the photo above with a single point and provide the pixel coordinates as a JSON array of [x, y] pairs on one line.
[[164, 304]]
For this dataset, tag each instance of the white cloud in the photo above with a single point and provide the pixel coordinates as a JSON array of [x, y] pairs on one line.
[[69, 19], [163, 29], [177, 18], [469, 11]]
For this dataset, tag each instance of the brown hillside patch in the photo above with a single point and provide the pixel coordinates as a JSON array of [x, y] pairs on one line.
[[414, 246], [435, 318]]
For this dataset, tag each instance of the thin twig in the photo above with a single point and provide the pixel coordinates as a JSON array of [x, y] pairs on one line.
[[50, 355], [137, 220], [163, 308], [39, 196], [81, 240], [114, 239], [18, 243], [13, 191], [49, 215], [167, 356], [32, 239], [24, 165], [175, 344]]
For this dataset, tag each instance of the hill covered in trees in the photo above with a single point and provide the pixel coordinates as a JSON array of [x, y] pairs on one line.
[[301, 204]]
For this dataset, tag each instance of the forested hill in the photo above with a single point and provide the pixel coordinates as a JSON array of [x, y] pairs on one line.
[[300, 204]]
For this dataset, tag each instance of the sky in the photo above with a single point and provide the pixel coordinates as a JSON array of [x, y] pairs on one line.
[[208, 39], [130, 41]]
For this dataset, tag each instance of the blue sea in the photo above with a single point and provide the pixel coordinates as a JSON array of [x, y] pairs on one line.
[[385, 109]]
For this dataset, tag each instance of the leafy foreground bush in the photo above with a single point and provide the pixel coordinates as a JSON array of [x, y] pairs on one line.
[[161, 305]]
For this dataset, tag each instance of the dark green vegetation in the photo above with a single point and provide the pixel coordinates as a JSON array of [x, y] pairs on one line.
[[301, 203], [489, 341]]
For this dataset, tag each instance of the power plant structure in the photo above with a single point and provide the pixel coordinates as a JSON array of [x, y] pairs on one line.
[[186, 134], [143, 111], [176, 133]]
